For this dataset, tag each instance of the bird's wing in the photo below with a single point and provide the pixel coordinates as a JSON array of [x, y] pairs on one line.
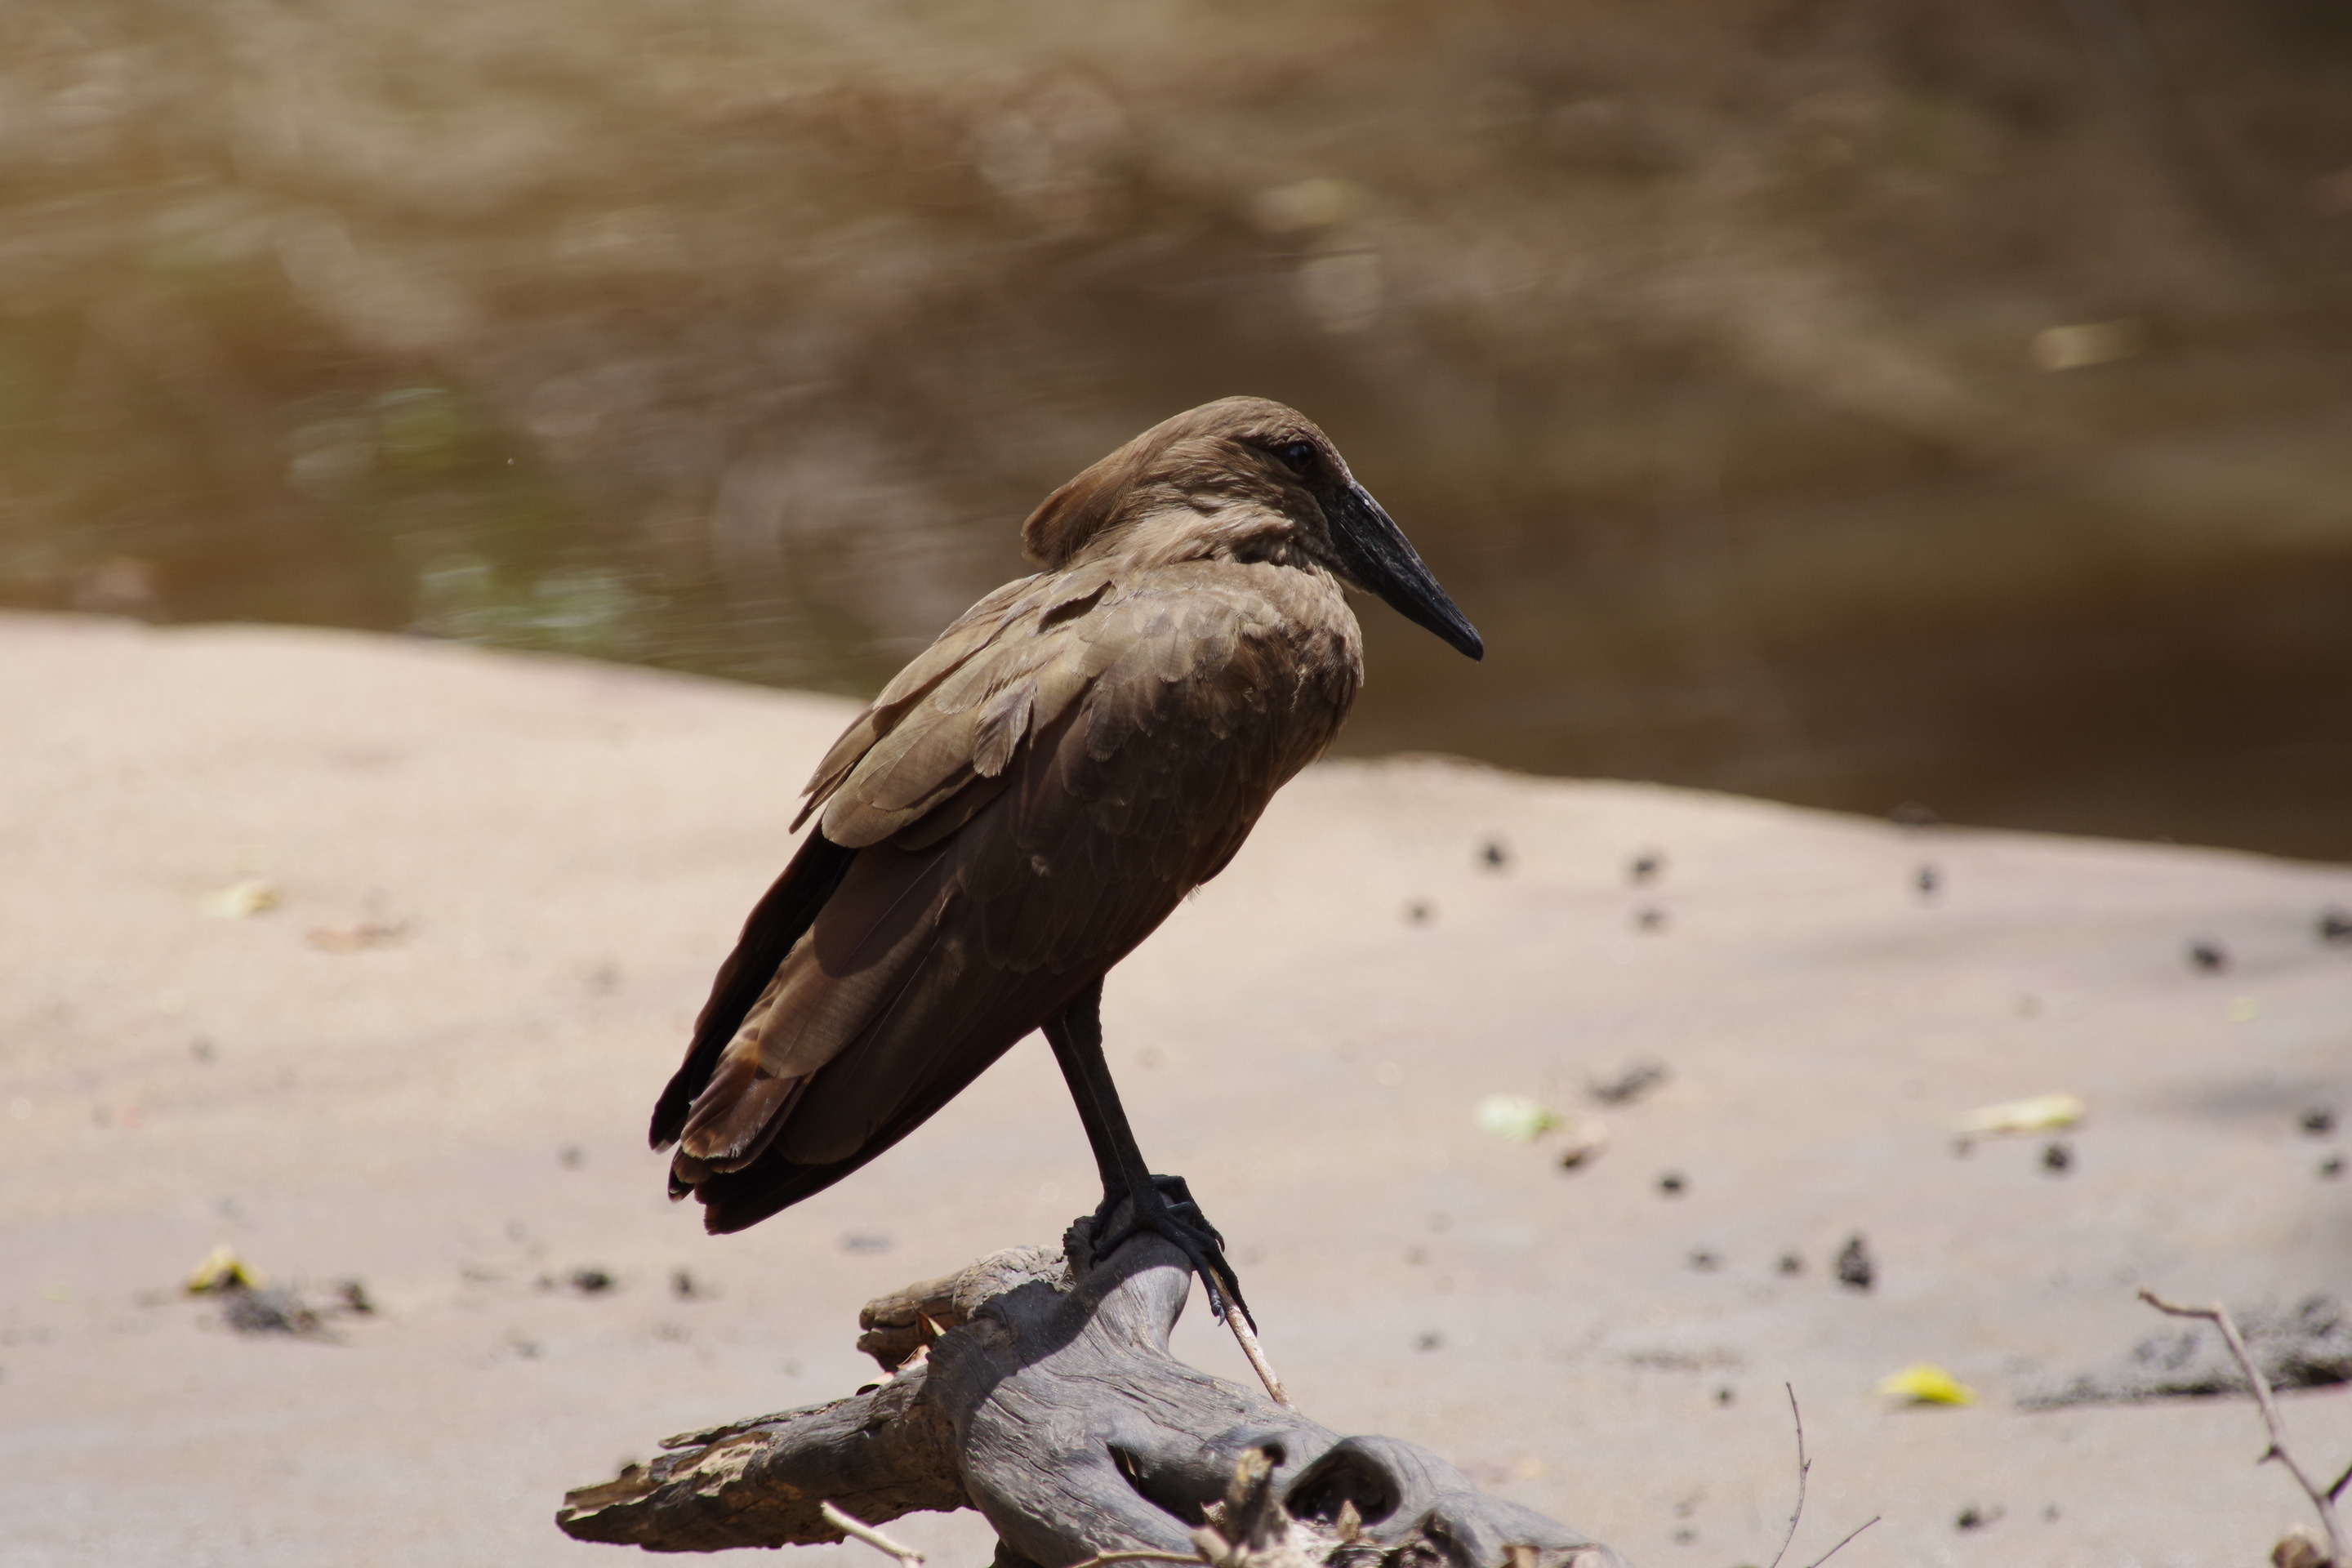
[[1021, 814], [790, 907]]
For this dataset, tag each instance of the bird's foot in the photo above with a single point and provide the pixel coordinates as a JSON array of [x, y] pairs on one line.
[[1167, 1210]]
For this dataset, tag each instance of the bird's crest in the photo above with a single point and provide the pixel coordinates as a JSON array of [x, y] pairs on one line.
[[1146, 471]]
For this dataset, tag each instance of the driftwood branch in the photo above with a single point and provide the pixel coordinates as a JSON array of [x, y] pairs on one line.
[[1804, 1469], [1842, 1540], [858, 1530], [2323, 1499], [1042, 1392]]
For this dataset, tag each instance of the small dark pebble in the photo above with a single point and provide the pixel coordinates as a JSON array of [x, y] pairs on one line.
[[1646, 867], [355, 1299], [1927, 880], [1975, 1518], [589, 1282], [1685, 1537], [1790, 1264], [2057, 1159], [2331, 1167], [2210, 957], [1494, 855], [1629, 1085], [685, 1285], [1724, 1395], [1650, 917], [1429, 1341], [1419, 912], [865, 1241], [250, 1312], [2319, 1121], [2334, 925], [1705, 1262], [1672, 1183], [1855, 1270]]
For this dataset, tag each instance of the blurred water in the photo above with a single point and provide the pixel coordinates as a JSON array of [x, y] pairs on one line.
[[1859, 407]]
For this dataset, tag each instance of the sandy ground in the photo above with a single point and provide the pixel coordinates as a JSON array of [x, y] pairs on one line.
[[506, 879]]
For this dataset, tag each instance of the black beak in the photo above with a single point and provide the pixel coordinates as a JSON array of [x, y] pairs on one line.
[[1375, 555]]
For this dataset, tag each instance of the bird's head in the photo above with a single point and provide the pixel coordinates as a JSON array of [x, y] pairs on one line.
[[1250, 478]]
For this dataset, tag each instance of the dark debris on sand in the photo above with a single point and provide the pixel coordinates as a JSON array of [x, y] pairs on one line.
[[2308, 1347], [1856, 1270], [282, 1309]]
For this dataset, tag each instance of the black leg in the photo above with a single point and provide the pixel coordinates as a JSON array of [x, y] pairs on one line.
[[1159, 1204], [1083, 1018]]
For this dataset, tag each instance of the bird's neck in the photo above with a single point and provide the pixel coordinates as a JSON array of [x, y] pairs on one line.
[[1202, 529]]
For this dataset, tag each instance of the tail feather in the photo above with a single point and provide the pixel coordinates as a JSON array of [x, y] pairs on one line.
[[766, 1182], [780, 920], [762, 1111], [734, 1107]]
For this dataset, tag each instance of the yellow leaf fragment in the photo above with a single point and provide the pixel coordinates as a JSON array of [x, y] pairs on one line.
[[1927, 1383], [240, 899], [1516, 1116], [221, 1270], [2039, 1113]]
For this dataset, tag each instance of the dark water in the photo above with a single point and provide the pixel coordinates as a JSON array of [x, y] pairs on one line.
[[1860, 409]]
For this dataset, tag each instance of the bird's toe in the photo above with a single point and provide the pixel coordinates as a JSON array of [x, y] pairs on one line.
[[1170, 1212]]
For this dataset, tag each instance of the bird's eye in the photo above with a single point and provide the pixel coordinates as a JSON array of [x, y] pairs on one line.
[[1299, 455]]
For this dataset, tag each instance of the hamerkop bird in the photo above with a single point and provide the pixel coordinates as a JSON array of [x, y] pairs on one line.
[[1029, 799]]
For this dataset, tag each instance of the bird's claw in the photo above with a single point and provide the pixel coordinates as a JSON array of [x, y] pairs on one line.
[[1170, 1213]]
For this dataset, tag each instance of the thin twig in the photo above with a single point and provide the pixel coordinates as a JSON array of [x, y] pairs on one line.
[[2323, 1501], [1099, 1558], [1246, 1337], [865, 1533], [1803, 1465], [1850, 1534]]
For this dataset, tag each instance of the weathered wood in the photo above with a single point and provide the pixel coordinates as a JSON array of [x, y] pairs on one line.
[[1049, 1401]]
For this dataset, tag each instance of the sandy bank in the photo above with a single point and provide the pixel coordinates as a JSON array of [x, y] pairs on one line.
[[504, 881]]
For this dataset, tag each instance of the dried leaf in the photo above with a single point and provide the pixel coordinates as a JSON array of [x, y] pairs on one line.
[[2039, 1113], [221, 1270], [353, 939], [1927, 1383], [1516, 1116], [240, 900], [1584, 1142]]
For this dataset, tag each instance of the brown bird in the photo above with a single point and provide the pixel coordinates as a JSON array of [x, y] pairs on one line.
[[1029, 799]]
